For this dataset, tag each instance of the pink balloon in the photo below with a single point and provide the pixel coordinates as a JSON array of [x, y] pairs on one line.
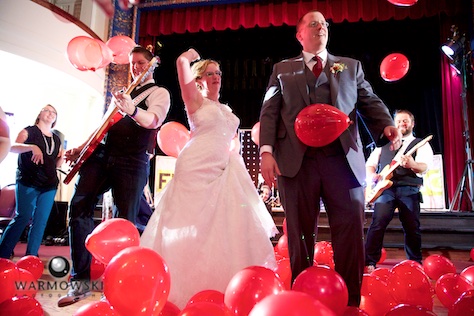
[[172, 138], [255, 133], [84, 53], [468, 273], [450, 287], [290, 303], [24, 305], [96, 308], [110, 237], [107, 54], [121, 46], [32, 264], [320, 124], [394, 67], [248, 287], [437, 265], [403, 3], [137, 282], [325, 285]]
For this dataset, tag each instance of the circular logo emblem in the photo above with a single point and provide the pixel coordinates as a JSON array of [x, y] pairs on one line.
[[59, 266]]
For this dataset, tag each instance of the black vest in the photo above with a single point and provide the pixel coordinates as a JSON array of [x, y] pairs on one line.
[[126, 137], [401, 176]]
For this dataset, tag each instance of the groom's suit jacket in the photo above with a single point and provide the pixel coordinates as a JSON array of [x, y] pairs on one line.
[[288, 93]]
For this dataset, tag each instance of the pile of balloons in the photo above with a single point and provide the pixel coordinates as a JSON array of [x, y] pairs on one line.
[[19, 285], [86, 53]]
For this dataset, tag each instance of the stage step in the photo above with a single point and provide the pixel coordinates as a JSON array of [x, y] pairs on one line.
[[440, 230]]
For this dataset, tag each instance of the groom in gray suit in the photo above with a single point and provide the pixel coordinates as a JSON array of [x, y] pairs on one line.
[[335, 172]]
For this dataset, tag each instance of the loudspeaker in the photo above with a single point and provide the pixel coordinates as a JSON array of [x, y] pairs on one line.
[[56, 226]]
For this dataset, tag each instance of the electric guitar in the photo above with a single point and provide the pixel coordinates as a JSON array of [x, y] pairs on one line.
[[111, 117], [372, 193]]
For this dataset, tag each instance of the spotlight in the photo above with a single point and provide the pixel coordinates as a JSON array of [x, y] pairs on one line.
[[455, 45]]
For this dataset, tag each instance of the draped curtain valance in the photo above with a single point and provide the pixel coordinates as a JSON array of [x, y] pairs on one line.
[[265, 13]]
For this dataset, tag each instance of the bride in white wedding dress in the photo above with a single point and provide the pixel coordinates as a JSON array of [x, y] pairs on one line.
[[209, 222]]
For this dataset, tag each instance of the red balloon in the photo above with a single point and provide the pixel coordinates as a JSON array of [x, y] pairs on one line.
[[324, 254], [137, 282], [403, 3], [205, 308], [26, 284], [320, 124], [354, 311], [110, 237], [121, 47], [394, 67], [468, 273], [383, 256], [255, 133], [464, 305], [437, 265], [284, 272], [375, 296], [96, 308], [84, 53], [290, 303], [210, 296], [32, 264], [248, 287], [172, 138], [325, 285], [412, 310], [8, 277], [169, 310], [450, 287], [409, 284], [285, 229], [382, 273], [282, 246], [6, 264], [471, 254], [24, 305], [97, 269]]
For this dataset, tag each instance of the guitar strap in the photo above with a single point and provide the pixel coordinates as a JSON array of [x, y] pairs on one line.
[[142, 96]]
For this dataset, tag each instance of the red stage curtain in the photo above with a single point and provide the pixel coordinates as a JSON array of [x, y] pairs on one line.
[[250, 14], [454, 142]]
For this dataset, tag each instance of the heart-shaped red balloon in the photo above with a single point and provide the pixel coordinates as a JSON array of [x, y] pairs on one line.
[[110, 237], [320, 124]]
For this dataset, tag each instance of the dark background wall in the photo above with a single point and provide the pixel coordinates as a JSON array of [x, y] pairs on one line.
[[247, 57]]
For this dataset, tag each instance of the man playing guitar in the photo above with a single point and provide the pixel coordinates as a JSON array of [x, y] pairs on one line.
[[403, 193], [119, 162]]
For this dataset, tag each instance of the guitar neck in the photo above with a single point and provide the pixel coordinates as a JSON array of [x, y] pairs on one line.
[[396, 164]]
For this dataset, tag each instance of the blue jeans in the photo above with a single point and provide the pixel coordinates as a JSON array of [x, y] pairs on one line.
[[31, 203], [126, 176], [407, 200]]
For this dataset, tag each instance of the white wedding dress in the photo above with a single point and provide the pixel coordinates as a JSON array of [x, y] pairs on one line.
[[209, 222]]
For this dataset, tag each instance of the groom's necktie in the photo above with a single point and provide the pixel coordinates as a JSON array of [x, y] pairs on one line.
[[318, 67]]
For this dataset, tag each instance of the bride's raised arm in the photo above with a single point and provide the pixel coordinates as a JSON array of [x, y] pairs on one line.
[[192, 98]]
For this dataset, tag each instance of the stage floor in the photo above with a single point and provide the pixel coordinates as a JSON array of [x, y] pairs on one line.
[[48, 298]]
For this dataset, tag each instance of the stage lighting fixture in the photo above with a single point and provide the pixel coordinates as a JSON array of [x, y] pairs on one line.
[[455, 45]]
